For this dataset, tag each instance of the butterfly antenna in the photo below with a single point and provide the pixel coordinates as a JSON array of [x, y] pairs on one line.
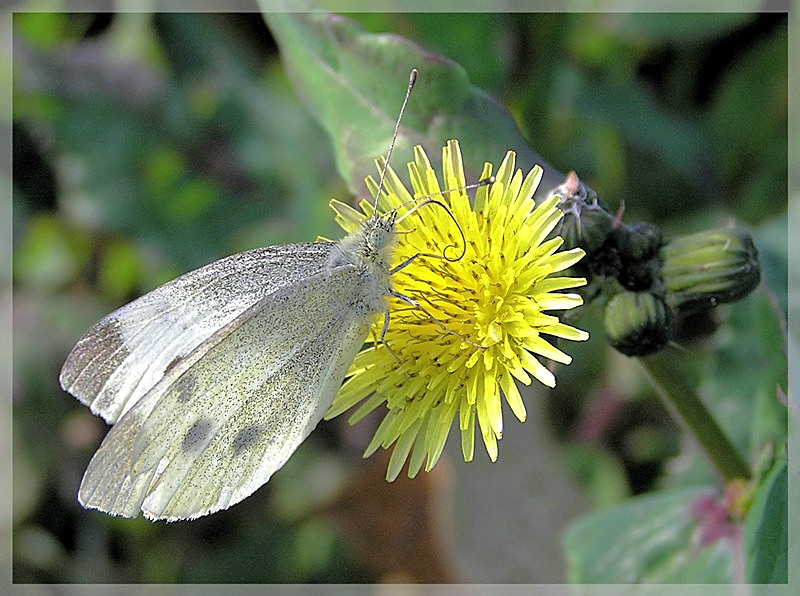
[[412, 79]]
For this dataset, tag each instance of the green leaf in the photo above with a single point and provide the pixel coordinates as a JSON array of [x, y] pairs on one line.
[[765, 529], [650, 539], [354, 81]]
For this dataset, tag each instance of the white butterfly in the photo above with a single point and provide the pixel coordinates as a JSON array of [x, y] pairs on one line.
[[214, 379]]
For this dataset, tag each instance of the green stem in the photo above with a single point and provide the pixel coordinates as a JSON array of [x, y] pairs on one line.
[[665, 372]]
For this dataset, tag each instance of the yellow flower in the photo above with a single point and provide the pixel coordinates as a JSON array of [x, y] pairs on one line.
[[489, 308]]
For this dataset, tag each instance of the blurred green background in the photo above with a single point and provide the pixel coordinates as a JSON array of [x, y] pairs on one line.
[[149, 144]]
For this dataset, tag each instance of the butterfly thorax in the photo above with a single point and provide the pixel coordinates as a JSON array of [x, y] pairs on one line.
[[369, 250]]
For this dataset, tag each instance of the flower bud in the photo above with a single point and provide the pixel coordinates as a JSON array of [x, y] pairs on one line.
[[704, 269], [639, 276], [637, 323], [639, 241], [586, 223]]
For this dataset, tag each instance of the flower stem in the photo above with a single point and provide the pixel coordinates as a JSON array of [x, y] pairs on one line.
[[665, 373]]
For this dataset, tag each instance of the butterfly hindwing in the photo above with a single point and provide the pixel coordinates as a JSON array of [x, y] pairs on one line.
[[200, 441]]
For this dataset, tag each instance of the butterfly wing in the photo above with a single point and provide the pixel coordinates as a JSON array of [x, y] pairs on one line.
[[231, 412], [122, 356]]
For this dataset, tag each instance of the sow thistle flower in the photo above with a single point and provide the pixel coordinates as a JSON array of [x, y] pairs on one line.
[[488, 309]]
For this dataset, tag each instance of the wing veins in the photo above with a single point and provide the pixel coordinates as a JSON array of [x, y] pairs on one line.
[[199, 352], [255, 264], [140, 328]]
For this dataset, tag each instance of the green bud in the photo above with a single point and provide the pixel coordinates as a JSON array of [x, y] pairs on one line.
[[639, 276], [586, 223], [704, 269], [637, 323], [584, 226], [639, 241]]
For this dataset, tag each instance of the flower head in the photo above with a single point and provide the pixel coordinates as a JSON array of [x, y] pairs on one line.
[[486, 286]]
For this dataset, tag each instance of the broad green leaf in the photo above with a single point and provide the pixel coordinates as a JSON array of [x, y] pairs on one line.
[[765, 528], [650, 539], [354, 82]]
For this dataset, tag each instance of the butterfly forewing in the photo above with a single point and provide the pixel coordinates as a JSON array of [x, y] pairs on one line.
[[237, 428], [123, 356]]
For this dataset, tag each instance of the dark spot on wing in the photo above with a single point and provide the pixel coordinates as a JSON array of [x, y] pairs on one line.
[[197, 435], [185, 387], [246, 438]]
